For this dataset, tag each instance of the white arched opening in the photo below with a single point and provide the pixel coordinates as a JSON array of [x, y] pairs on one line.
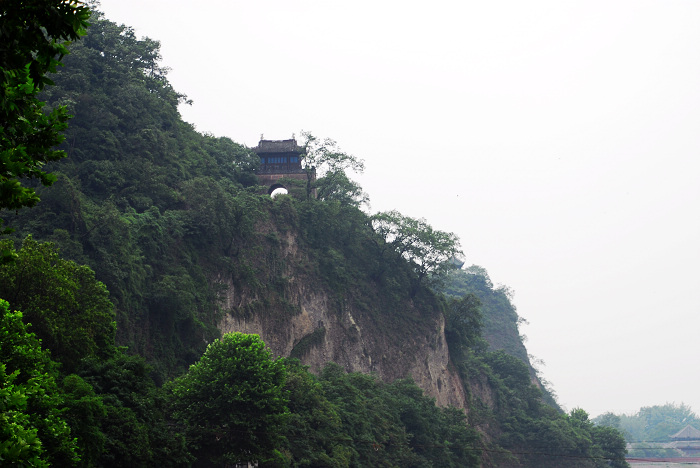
[[279, 191]]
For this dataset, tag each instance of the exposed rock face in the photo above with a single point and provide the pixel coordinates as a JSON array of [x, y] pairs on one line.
[[359, 339], [353, 340]]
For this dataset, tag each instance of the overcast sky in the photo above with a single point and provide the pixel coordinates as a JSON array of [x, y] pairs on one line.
[[559, 139]]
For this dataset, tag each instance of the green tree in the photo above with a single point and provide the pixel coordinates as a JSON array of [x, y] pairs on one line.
[[231, 403], [32, 429], [323, 158], [122, 423], [608, 420], [500, 318], [68, 308], [19, 441], [313, 431], [428, 250], [336, 186], [439, 435], [611, 445], [85, 413], [656, 423], [463, 326], [388, 425], [34, 36], [374, 426]]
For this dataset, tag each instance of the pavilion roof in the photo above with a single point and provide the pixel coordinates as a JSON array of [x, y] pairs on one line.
[[277, 146], [687, 433]]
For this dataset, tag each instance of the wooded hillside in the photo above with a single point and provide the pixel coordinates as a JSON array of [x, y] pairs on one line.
[[155, 238]]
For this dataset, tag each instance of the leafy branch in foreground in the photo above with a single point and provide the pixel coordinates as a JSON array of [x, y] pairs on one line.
[[33, 431], [33, 40]]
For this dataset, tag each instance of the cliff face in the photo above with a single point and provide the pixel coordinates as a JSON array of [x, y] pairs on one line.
[[324, 327]]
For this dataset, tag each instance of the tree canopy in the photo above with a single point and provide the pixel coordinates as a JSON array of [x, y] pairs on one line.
[[34, 36], [651, 423], [33, 431], [68, 308], [231, 402], [324, 159], [431, 252]]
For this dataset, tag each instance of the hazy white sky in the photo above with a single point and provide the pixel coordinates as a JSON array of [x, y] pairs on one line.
[[559, 139]]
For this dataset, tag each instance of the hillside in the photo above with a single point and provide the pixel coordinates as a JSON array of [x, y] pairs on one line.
[[189, 248]]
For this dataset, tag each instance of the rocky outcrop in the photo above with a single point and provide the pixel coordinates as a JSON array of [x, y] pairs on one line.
[[324, 327], [353, 339]]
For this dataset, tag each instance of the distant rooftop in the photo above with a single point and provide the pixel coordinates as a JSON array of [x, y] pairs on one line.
[[687, 433], [277, 146]]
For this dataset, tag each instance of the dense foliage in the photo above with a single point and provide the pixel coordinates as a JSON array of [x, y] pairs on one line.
[[33, 39], [69, 310], [233, 408], [32, 429], [144, 200], [656, 423], [322, 158], [500, 319], [518, 410], [230, 404], [72, 398], [427, 250], [395, 424]]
